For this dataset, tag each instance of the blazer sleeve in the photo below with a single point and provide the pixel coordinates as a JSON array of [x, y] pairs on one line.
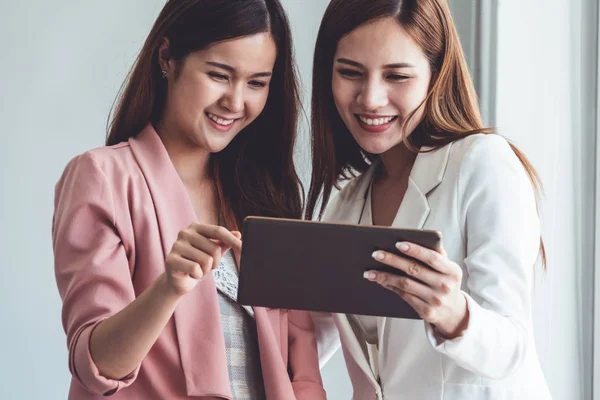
[[91, 266], [303, 358], [497, 207]]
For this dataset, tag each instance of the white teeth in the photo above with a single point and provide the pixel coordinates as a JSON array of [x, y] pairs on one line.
[[220, 121], [376, 121]]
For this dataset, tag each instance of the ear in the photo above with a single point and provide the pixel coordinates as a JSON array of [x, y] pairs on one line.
[[165, 62]]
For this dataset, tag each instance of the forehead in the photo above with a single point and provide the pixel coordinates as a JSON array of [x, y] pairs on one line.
[[247, 54], [379, 43]]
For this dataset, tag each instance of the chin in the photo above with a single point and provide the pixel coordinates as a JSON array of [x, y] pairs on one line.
[[372, 145], [216, 145], [375, 150], [213, 143]]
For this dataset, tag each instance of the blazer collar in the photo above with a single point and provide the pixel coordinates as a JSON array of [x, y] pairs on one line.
[[430, 167], [200, 347], [427, 173], [174, 211]]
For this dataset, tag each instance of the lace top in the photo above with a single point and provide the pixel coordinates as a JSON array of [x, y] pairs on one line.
[[239, 330]]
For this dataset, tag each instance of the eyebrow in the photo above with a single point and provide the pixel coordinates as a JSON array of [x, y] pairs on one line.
[[387, 66], [232, 70]]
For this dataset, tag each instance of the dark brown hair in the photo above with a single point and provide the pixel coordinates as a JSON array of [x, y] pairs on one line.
[[451, 109], [255, 173]]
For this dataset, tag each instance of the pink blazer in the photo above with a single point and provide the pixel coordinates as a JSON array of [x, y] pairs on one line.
[[118, 211]]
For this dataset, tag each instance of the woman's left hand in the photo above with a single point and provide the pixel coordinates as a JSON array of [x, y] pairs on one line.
[[437, 298]]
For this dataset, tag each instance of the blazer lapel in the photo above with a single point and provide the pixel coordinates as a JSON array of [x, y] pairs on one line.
[[427, 173], [413, 210], [199, 308], [347, 206], [355, 348], [270, 343]]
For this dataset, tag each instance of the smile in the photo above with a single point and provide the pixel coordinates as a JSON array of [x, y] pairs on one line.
[[219, 120], [376, 121]]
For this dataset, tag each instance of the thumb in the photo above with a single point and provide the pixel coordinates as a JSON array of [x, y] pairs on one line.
[[225, 247], [237, 252], [238, 235]]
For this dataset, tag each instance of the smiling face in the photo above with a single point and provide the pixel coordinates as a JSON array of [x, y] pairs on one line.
[[380, 77], [216, 92]]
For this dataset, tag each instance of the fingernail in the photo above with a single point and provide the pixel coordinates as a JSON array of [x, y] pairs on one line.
[[370, 275], [377, 255], [402, 246]]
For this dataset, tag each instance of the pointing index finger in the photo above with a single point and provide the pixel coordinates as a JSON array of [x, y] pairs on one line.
[[220, 234]]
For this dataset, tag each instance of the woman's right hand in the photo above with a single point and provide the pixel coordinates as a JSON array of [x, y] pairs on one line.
[[196, 252]]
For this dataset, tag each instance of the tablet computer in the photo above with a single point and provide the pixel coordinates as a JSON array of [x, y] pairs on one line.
[[317, 266]]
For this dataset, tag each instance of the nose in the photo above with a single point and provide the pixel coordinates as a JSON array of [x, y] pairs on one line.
[[233, 100], [373, 95]]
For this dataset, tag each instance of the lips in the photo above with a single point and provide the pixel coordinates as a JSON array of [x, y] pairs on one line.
[[375, 123], [220, 120], [221, 123]]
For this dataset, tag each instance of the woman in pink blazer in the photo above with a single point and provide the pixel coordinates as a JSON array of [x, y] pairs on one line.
[[145, 230]]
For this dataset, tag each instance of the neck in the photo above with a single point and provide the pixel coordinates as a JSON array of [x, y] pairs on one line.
[[396, 161], [190, 160]]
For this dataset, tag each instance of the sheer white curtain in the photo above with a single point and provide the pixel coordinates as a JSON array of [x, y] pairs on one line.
[[547, 57]]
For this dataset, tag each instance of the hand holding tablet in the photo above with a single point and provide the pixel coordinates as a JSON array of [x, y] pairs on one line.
[[317, 266]]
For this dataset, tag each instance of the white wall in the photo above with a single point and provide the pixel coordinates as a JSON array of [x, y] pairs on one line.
[[543, 105], [62, 64]]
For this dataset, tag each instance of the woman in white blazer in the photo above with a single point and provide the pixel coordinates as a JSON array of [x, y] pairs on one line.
[[394, 109]]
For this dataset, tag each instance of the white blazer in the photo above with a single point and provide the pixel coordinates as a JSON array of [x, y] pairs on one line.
[[477, 193]]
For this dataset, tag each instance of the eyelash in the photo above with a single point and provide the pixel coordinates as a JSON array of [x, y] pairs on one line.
[[257, 84], [350, 73], [221, 77], [397, 78]]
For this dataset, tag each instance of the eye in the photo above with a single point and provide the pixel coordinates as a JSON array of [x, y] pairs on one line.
[[257, 84], [397, 78], [350, 73], [218, 77]]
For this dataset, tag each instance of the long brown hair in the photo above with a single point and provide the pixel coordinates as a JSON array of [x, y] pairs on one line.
[[451, 106], [255, 173]]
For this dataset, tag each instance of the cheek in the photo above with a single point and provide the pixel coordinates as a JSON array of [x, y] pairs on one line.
[[408, 98], [256, 104], [192, 96], [204, 92], [342, 94]]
